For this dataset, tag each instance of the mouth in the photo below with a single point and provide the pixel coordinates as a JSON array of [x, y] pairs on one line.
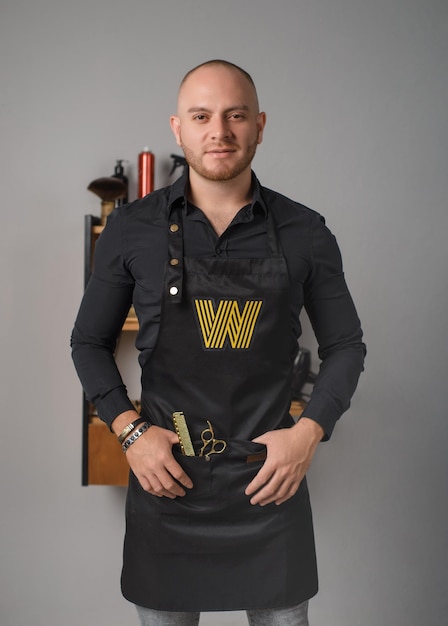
[[224, 148], [221, 151]]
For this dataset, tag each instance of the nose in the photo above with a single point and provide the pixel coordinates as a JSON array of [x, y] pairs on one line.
[[220, 128]]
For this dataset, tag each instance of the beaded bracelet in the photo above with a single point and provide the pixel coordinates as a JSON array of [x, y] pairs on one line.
[[129, 428], [135, 435]]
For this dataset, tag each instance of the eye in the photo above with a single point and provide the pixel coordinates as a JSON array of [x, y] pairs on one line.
[[236, 116], [200, 117]]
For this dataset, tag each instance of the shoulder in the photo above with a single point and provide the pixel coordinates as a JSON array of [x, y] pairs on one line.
[[302, 231], [150, 210], [133, 222], [298, 226], [285, 209], [134, 227]]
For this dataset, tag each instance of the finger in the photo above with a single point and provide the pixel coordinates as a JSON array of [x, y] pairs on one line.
[[147, 486], [283, 492], [169, 486], [178, 473], [164, 485], [144, 483], [160, 484], [288, 493], [261, 439], [261, 478], [274, 491]]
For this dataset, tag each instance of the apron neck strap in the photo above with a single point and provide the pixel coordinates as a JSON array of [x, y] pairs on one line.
[[174, 273], [273, 241]]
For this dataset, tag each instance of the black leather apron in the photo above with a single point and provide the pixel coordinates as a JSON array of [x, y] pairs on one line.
[[224, 354]]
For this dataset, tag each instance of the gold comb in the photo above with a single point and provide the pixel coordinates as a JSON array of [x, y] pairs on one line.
[[181, 427]]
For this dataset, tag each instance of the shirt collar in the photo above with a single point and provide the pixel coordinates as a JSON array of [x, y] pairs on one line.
[[178, 193]]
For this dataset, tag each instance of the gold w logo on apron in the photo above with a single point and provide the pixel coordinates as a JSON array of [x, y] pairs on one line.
[[227, 322]]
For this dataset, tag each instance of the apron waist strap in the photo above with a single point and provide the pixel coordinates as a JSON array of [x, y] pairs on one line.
[[248, 451]]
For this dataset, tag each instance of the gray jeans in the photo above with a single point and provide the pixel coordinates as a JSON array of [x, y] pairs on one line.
[[291, 616]]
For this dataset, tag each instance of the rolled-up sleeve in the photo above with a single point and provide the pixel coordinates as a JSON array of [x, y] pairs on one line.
[[336, 325]]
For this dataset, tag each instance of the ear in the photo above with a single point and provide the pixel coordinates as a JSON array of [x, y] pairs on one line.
[[175, 127], [261, 123]]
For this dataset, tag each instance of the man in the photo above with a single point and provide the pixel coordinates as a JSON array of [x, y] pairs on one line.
[[218, 269]]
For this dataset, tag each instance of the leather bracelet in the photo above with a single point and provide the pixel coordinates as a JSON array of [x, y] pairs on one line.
[[135, 435], [129, 428]]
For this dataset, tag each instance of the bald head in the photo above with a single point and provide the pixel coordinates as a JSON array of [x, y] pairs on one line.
[[229, 68]]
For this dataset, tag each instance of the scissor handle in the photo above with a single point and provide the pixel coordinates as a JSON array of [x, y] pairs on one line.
[[209, 431], [216, 443]]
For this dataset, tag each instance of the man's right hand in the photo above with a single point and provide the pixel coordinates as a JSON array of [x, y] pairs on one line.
[[151, 459]]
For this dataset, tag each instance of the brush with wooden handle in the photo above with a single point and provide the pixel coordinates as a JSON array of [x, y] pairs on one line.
[[108, 189]]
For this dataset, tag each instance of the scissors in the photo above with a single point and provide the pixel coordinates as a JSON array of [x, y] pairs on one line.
[[208, 437]]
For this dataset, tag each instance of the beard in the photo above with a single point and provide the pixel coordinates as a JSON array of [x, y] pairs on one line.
[[221, 171]]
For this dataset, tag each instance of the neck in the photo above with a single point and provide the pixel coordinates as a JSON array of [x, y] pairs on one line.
[[220, 201]]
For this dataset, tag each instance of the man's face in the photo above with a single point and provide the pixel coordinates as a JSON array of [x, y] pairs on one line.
[[218, 124]]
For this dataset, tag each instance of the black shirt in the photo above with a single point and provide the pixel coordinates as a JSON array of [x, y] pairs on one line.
[[130, 259]]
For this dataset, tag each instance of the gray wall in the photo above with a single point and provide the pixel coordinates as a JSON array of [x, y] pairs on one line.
[[356, 97]]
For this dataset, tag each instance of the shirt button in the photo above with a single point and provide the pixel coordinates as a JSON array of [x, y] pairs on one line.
[[174, 228], [218, 251], [174, 291], [174, 262]]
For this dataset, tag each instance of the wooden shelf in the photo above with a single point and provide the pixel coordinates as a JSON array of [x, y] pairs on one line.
[[131, 322], [107, 465], [297, 408], [97, 230]]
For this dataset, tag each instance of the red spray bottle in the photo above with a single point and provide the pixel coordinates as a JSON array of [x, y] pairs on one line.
[[145, 172]]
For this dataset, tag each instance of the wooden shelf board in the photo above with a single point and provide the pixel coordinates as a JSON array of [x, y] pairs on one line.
[[131, 323], [107, 465]]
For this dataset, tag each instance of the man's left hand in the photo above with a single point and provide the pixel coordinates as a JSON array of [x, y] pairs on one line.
[[289, 455]]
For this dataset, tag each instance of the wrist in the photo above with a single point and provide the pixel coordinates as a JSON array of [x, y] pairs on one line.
[[122, 420], [311, 427], [138, 432]]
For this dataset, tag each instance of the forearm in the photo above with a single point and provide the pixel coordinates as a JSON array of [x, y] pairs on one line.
[[337, 328], [98, 324], [101, 381], [334, 386]]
